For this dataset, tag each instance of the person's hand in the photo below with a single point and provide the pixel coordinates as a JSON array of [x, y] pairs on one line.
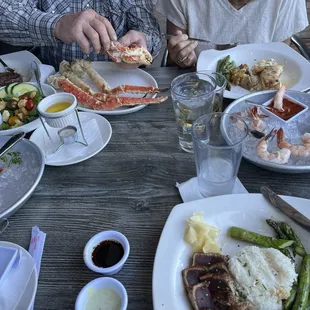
[[132, 37], [182, 51], [83, 27]]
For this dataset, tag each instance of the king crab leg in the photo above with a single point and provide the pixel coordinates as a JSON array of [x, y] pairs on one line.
[[65, 70], [136, 90], [80, 65], [99, 101]]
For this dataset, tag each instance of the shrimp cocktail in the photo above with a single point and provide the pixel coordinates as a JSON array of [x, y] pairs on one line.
[[193, 96]]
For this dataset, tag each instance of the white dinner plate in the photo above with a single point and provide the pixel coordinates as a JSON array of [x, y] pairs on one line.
[[39, 137], [248, 211], [116, 76], [296, 73], [21, 63], [27, 299]]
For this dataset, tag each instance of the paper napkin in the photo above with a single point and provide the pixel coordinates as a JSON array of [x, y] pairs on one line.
[[189, 190], [15, 282], [75, 150]]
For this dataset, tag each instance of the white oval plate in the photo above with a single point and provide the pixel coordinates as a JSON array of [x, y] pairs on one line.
[[39, 137], [248, 211], [116, 76], [296, 73], [27, 299]]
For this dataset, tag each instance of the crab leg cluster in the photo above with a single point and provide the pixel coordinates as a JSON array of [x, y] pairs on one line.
[[70, 81]]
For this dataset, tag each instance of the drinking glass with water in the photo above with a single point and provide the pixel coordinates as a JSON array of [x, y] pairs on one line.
[[218, 142], [193, 96]]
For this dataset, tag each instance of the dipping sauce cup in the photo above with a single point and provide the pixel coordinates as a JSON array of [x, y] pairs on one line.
[[106, 252], [62, 118]]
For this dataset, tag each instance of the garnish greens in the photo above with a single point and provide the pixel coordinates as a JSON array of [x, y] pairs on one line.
[[12, 158]]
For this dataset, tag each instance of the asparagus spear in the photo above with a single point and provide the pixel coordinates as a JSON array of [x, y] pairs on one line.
[[219, 64], [280, 235], [250, 236], [298, 246], [288, 303], [301, 301]]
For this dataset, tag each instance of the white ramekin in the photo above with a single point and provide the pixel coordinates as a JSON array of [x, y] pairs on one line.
[[95, 240], [59, 119], [100, 283]]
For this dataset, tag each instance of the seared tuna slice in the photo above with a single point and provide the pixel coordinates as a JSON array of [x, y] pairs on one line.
[[200, 297], [203, 259]]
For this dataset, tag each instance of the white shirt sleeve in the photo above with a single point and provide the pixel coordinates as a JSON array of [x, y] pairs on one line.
[[174, 10], [292, 18]]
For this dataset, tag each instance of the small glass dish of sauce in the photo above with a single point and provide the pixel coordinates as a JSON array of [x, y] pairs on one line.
[[292, 109], [102, 293], [106, 252]]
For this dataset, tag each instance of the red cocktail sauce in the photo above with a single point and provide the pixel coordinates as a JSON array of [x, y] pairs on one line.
[[290, 109]]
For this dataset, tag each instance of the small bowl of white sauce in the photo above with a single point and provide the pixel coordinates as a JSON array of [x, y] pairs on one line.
[[102, 293]]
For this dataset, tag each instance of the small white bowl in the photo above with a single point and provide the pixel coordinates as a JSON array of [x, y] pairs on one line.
[[100, 283], [95, 240], [305, 108], [59, 119]]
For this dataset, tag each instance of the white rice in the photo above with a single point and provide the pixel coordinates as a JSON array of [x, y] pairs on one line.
[[265, 276]]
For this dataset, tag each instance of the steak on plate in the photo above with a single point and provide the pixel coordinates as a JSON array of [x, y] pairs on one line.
[[7, 78]]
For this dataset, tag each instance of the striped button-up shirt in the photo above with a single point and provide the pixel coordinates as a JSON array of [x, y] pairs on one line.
[[32, 23]]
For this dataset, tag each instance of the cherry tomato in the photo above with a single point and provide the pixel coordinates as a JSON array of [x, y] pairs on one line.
[[1, 169], [24, 97], [29, 104]]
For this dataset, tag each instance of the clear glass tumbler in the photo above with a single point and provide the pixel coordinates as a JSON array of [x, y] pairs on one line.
[[218, 142], [221, 83], [193, 96]]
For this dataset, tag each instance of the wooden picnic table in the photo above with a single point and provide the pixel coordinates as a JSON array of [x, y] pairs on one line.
[[130, 187]]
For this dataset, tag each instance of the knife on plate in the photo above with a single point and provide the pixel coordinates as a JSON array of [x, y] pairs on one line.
[[285, 207]]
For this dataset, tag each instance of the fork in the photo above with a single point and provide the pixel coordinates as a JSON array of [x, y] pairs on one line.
[[219, 47], [6, 67]]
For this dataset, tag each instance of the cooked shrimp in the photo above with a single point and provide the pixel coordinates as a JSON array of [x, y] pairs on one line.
[[279, 157], [258, 123], [278, 99], [297, 150]]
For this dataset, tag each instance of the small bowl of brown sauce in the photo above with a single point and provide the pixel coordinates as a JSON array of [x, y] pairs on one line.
[[106, 252], [291, 109]]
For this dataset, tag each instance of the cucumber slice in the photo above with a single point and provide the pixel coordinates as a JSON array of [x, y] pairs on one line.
[[9, 87], [23, 88], [3, 93]]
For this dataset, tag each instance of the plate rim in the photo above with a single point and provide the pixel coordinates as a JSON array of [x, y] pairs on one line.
[[35, 272], [18, 204], [179, 207], [82, 159], [267, 46]]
